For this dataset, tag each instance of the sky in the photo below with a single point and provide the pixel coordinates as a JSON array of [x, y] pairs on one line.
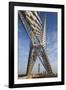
[[51, 44]]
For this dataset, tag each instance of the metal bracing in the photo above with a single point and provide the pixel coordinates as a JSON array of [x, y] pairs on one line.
[[37, 37], [45, 59], [32, 59], [33, 37]]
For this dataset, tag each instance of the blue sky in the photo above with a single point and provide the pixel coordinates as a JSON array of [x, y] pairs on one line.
[[51, 44]]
